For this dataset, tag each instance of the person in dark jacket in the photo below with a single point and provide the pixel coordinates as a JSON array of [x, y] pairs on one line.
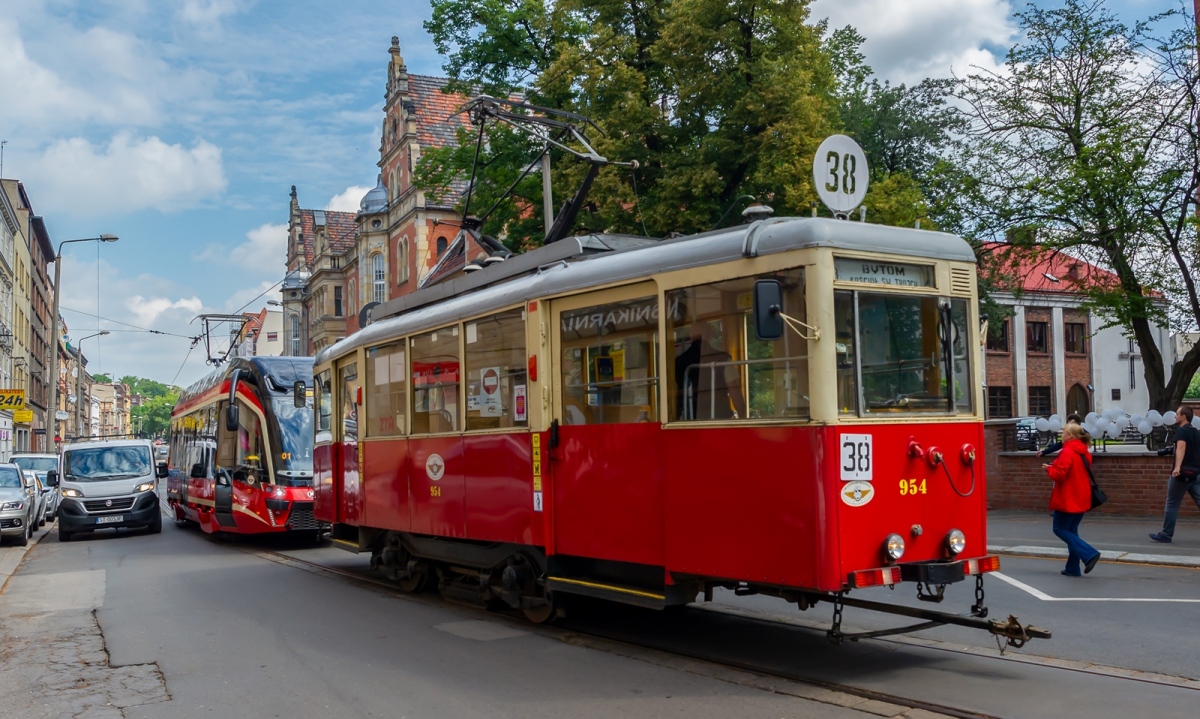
[[1183, 478], [1056, 447], [1071, 497]]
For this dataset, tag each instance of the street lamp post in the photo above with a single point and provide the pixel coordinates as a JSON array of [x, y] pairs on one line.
[[53, 425], [79, 384]]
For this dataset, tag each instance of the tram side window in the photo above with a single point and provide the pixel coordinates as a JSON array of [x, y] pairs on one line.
[[609, 363], [895, 345], [435, 375], [720, 370], [349, 375], [250, 448], [496, 386], [324, 402], [386, 390]]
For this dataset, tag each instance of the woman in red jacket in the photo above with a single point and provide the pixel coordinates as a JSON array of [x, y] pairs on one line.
[[1072, 496]]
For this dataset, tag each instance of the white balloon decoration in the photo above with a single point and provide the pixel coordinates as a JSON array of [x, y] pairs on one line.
[[1054, 417], [1090, 428], [1103, 424], [1122, 423], [1113, 431], [1091, 417], [1136, 419], [1055, 424], [1154, 418], [1196, 421], [1042, 424], [1168, 418], [1144, 427]]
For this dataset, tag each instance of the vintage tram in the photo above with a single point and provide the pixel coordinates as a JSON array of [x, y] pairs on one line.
[[791, 407], [241, 449]]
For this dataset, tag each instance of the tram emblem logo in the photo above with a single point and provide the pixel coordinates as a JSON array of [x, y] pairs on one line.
[[435, 467], [856, 494]]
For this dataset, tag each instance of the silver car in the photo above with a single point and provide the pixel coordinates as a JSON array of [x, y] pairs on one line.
[[18, 505], [40, 464], [42, 501]]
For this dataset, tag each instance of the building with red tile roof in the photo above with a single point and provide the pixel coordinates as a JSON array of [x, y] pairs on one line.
[[1053, 355]]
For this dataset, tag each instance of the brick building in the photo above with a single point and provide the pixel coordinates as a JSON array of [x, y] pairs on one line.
[[1053, 356]]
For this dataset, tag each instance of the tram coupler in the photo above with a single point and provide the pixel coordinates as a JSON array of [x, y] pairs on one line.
[[1014, 633]]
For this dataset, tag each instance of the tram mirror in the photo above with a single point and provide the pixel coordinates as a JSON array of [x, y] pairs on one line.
[[299, 393], [768, 309], [197, 471], [231, 417]]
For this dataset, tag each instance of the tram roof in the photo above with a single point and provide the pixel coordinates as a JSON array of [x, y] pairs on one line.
[[580, 263], [282, 372]]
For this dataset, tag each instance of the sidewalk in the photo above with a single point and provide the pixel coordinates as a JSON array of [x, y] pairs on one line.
[[11, 556], [1119, 539]]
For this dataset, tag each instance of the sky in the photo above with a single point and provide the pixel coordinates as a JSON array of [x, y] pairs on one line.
[[181, 125]]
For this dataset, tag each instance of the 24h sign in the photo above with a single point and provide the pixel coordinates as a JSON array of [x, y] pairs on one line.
[[12, 399]]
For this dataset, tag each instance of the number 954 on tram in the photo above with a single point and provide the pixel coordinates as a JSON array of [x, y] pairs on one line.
[[791, 407]]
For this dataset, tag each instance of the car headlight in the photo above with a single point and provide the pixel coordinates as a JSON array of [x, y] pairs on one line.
[[12, 505], [72, 493], [893, 546], [145, 487], [956, 541]]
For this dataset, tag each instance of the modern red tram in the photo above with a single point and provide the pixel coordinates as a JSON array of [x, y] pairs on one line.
[[791, 408], [241, 449]]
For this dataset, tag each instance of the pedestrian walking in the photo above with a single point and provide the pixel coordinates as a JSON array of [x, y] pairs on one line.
[[1056, 447], [1072, 496], [1186, 469]]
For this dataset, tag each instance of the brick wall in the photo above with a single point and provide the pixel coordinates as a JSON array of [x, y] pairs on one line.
[[1136, 484]]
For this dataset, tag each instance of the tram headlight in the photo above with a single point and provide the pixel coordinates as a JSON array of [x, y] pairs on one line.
[[956, 541], [893, 546]]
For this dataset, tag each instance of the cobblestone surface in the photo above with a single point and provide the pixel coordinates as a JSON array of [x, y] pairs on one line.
[[55, 665]]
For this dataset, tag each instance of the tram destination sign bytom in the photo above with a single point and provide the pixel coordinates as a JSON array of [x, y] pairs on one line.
[[840, 173]]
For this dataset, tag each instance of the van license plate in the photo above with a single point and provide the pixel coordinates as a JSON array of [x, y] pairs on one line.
[[111, 520]]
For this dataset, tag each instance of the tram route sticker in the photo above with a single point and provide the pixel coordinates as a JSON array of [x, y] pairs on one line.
[[856, 494], [856, 459], [489, 399], [435, 467]]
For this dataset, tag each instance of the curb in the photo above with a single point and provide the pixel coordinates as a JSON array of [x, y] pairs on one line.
[[1158, 560], [9, 561]]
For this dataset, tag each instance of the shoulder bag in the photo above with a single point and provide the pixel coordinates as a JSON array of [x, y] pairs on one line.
[[1098, 495]]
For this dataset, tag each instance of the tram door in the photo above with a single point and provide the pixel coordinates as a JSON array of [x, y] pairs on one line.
[[607, 470], [223, 478], [350, 501]]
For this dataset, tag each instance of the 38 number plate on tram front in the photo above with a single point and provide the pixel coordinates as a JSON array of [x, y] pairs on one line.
[[856, 457]]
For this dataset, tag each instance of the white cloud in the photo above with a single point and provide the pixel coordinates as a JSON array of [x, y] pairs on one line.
[[147, 310], [130, 174], [206, 12], [911, 40], [253, 299], [349, 200]]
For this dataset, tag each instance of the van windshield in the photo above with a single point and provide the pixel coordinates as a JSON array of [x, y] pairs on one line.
[[105, 463], [36, 464]]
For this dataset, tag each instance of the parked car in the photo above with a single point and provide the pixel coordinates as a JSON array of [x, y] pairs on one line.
[[18, 505], [40, 464], [44, 494], [1027, 434], [39, 497]]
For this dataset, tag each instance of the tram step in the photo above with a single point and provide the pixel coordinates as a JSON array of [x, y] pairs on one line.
[[605, 590]]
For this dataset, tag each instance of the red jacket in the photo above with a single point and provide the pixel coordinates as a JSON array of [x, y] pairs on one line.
[[1072, 486]]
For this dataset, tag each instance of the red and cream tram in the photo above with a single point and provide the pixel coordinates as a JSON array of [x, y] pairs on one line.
[[791, 407], [241, 449]]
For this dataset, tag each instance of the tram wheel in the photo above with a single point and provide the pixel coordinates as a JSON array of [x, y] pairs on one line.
[[417, 580], [543, 613]]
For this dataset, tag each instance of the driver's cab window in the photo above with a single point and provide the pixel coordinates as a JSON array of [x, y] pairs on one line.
[[249, 466], [324, 403]]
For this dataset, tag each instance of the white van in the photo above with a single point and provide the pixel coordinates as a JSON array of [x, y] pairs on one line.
[[109, 484]]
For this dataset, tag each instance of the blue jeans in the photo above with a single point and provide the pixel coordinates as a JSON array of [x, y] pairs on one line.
[[1066, 528], [1176, 488]]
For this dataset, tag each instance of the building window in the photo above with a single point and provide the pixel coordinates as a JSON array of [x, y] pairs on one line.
[[999, 402], [296, 336], [1116, 394], [441, 246], [1078, 401], [379, 275], [1039, 401], [337, 302], [1075, 337], [997, 341], [1035, 337], [402, 261]]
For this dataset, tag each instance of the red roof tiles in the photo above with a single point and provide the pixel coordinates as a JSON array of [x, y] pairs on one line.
[[340, 228], [1042, 269]]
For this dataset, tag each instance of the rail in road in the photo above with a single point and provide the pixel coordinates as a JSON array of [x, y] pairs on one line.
[[928, 675]]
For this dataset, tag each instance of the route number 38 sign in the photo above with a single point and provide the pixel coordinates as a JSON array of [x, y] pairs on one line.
[[855, 457], [840, 173], [12, 399]]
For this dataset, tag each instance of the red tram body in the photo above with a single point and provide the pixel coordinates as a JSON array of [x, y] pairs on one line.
[[845, 453], [251, 475]]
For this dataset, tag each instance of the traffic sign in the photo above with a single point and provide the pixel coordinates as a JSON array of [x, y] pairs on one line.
[[62, 415], [489, 401], [840, 173]]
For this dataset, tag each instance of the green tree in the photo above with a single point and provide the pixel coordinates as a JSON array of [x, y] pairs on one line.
[[153, 417], [101, 379], [1087, 142]]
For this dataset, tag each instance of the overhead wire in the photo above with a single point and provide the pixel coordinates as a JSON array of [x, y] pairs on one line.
[[126, 324]]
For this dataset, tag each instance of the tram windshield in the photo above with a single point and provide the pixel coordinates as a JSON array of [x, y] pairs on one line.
[[908, 353], [296, 435]]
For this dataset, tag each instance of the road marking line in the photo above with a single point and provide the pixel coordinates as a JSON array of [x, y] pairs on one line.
[[1039, 594]]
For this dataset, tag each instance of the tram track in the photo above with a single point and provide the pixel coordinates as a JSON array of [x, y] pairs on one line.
[[733, 670]]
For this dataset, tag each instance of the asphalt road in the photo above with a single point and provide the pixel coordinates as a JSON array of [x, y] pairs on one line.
[[233, 634]]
